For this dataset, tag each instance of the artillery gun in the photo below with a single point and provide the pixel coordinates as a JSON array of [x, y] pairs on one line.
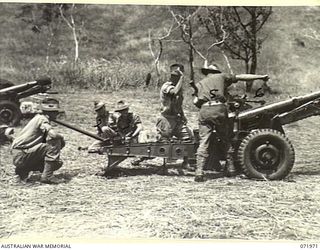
[[10, 96], [262, 150]]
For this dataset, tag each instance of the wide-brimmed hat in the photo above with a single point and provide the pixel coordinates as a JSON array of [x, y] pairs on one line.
[[121, 105], [175, 68], [98, 105], [213, 68]]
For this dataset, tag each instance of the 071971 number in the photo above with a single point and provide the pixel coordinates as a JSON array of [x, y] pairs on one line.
[[308, 246]]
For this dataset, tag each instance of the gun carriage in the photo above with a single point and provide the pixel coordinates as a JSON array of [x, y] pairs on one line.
[[262, 150]]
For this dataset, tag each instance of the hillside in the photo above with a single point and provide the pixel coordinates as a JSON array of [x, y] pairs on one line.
[[289, 56], [120, 32]]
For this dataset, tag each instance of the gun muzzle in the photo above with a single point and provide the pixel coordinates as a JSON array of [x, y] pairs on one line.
[[44, 81]]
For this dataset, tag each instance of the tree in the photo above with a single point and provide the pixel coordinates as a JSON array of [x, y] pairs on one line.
[[185, 18], [42, 19], [243, 25], [156, 50], [51, 19], [216, 42], [46, 19], [67, 14]]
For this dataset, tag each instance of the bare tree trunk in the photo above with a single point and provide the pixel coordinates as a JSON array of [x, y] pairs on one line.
[[76, 44], [191, 63], [71, 24], [49, 47], [158, 56], [254, 43], [247, 66], [191, 52], [157, 64], [253, 64]]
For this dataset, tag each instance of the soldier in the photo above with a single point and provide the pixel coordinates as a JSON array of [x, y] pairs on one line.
[[172, 122], [213, 114], [117, 125], [102, 116], [102, 120], [127, 124], [37, 148]]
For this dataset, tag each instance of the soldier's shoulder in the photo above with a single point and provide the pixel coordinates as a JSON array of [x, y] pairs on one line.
[[133, 114], [166, 84], [136, 118], [166, 87], [41, 117]]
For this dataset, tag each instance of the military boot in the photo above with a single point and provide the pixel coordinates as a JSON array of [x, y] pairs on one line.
[[230, 169], [199, 173], [17, 180], [186, 164], [200, 178], [136, 162], [47, 174], [21, 175]]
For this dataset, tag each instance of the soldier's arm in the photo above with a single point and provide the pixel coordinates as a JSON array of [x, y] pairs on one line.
[[137, 131], [196, 101], [54, 134], [137, 122], [112, 121], [177, 88], [46, 127], [250, 77]]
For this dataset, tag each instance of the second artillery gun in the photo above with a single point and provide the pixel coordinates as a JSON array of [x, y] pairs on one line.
[[262, 150], [10, 96]]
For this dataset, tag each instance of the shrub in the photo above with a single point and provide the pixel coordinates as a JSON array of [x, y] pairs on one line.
[[99, 74]]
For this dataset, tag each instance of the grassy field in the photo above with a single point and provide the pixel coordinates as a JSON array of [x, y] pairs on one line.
[[153, 206]]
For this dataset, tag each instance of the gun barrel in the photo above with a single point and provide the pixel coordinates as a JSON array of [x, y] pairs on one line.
[[33, 90], [18, 88], [280, 107], [65, 124], [26, 86]]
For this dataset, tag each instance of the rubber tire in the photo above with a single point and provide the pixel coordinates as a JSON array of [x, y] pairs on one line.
[[280, 141], [16, 113]]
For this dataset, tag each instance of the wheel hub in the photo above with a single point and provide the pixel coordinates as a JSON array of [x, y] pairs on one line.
[[266, 155], [6, 115]]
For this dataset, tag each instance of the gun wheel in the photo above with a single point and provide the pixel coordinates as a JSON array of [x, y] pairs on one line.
[[10, 113], [266, 154]]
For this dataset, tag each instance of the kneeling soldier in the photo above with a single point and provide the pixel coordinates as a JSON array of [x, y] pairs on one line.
[[37, 148], [172, 124]]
